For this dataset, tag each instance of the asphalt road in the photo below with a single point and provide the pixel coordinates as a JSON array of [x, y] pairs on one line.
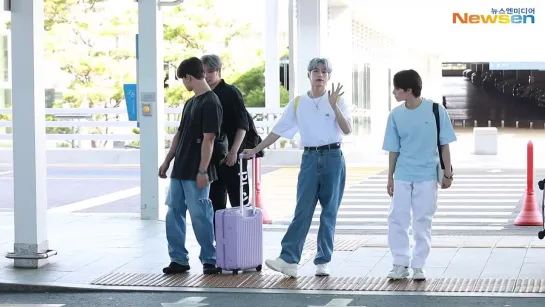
[[483, 202], [68, 185], [253, 300]]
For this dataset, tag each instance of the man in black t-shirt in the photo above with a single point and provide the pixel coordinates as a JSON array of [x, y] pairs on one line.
[[234, 125], [192, 173]]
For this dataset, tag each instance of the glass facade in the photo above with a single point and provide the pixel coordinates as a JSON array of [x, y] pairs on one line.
[[377, 57]]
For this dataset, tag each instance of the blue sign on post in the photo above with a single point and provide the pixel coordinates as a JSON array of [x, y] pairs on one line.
[[130, 99], [517, 65]]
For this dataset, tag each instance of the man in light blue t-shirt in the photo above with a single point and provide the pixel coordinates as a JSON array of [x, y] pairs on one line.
[[411, 139]]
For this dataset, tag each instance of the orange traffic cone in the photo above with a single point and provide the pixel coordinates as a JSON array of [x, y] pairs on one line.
[[530, 214], [257, 191]]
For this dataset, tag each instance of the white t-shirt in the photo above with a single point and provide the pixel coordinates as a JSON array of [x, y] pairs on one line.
[[314, 119]]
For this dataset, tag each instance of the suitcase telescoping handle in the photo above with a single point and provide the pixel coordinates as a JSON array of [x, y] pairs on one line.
[[241, 181]]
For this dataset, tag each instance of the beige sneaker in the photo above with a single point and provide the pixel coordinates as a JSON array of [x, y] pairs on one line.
[[322, 270], [419, 274], [398, 272], [281, 266]]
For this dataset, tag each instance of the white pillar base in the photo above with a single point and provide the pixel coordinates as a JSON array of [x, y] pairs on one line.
[[31, 256]]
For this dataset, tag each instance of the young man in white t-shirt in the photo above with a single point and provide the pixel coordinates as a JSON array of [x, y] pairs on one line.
[[322, 118]]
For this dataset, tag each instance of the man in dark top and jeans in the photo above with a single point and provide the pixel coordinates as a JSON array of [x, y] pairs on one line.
[[192, 173], [234, 125]]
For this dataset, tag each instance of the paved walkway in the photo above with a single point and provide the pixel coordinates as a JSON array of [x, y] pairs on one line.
[[92, 246]]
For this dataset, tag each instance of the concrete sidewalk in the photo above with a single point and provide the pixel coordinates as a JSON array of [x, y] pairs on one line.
[[122, 250]]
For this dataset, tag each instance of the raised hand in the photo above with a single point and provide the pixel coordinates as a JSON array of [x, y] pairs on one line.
[[334, 94]]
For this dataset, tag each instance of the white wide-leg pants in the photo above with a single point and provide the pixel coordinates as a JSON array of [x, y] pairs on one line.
[[421, 199]]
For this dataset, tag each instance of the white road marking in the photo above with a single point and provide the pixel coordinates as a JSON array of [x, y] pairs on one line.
[[96, 201], [276, 225], [438, 213], [187, 302], [337, 302]]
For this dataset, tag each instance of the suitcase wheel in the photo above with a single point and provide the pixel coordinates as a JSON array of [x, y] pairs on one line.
[[541, 234], [259, 267], [235, 272]]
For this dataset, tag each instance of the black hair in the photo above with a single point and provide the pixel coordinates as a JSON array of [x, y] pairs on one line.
[[192, 67], [408, 79]]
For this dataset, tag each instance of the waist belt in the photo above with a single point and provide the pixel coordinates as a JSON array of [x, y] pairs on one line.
[[325, 147]]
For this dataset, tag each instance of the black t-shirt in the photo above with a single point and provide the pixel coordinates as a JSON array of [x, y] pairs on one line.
[[234, 111], [201, 114]]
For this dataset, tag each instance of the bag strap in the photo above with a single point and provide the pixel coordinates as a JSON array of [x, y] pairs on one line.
[[438, 126]]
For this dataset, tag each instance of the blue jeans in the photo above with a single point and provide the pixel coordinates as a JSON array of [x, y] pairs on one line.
[[184, 195], [322, 177]]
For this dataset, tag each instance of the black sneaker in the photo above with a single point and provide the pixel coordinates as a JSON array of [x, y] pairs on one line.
[[210, 269], [176, 268]]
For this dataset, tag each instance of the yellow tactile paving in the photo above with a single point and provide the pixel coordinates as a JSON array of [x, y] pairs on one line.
[[277, 281], [278, 188]]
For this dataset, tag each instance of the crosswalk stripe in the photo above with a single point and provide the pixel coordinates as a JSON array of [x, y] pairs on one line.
[[435, 220], [444, 194], [474, 207], [506, 176], [438, 213], [385, 227], [452, 189], [464, 180], [468, 200], [457, 184], [475, 202]]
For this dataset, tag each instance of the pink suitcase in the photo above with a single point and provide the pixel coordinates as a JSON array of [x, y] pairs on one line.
[[239, 236]]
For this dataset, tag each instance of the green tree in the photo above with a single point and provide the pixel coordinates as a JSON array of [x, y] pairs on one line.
[[89, 43], [193, 29], [92, 41], [252, 86]]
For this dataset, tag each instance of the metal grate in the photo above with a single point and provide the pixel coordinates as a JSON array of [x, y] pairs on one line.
[[340, 245], [275, 281]]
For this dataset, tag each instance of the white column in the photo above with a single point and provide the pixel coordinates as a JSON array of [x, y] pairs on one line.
[[379, 100], [432, 83], [151, 94], [272, 55], [292, 28], [340, 51], [311, 37], [31, 248]]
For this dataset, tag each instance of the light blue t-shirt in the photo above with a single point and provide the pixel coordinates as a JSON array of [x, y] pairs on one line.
[[413, 134]]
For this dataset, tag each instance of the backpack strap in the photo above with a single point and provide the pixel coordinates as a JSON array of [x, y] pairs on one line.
[[296, 103], [438, 126]]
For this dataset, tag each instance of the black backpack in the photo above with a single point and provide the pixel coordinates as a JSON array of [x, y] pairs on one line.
[[252, 138]]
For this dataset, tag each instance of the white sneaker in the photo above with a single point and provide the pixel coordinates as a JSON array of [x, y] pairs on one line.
[[419, 274], [281, 266], [398, 272], [322, 270]]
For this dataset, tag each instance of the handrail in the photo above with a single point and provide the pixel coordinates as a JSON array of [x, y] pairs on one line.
[[171, 3]]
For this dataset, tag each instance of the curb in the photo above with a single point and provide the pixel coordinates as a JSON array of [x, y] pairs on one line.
[[48, 287]]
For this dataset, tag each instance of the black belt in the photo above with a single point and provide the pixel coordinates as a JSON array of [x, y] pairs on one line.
[[325, 147]]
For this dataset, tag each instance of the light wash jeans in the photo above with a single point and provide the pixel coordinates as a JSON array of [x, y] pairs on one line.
[[184, 195], [322, 177]]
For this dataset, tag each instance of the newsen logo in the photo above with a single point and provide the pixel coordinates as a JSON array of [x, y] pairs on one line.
[[466, 18]]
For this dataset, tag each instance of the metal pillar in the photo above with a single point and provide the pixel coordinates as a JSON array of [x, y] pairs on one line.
[[31, 247]]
